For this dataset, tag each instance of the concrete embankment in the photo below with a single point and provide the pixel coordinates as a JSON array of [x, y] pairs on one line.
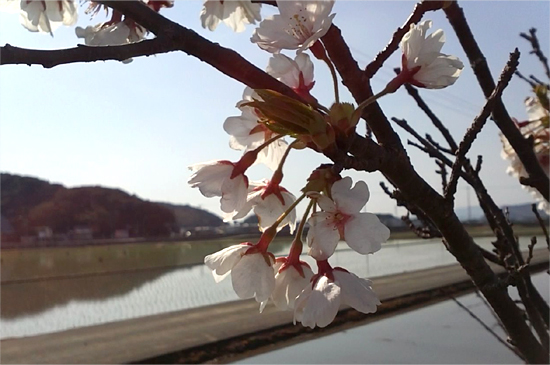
[[172, 337]]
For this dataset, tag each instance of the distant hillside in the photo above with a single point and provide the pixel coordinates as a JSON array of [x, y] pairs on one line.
[[188, 217], [29, 203]]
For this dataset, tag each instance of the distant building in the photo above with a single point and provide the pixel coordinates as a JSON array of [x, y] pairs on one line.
[[122, 233], [81, 233], [44, 233]]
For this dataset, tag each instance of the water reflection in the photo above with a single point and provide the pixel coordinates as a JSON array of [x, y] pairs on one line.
[[24, 298], [33, 306]]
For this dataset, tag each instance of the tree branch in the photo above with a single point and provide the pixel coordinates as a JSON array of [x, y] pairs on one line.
[[10, 55], [533, 39], [502, 119], [479, 122]]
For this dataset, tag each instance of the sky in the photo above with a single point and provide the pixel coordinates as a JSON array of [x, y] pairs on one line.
[[138, 126]]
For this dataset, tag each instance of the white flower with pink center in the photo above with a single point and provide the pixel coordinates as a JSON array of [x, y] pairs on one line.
[[290, 281], [269, 201], [319, 302], [341, 218], [423, 64], [251, 270], [221, 178], [298, 26], [246, 132], [296, 73], [236, 14]]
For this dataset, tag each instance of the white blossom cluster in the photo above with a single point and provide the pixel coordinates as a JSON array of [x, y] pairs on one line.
[[288, 282], [266, 123]]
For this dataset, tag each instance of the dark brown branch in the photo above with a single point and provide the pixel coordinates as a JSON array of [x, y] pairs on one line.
[[502, 119], [479, 122], [533, 39], [541, 223], [417, 14], [506, 241], [442, 171], [491, 257], [478, 164], [531, 246], [10, 55]]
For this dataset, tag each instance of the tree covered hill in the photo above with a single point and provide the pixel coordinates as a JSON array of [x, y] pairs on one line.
[[29, 203]]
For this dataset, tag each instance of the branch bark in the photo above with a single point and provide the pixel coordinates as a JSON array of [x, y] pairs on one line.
[[522, 146]]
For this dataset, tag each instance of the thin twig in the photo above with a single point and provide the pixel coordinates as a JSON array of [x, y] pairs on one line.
[[413, 92], [533, 39], [538, 81], [442, 171], [542, 224], [520, 75], [531, 247], [438, 146], [487, 328], [479, 122]]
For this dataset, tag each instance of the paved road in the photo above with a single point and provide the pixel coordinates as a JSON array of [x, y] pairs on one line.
[[142, 338]]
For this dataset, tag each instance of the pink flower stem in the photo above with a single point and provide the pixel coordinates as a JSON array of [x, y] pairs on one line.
[[249, 157], [297, 244], [320, 53]]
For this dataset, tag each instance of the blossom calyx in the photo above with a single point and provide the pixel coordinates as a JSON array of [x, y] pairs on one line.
[[285, 115], [342, 117], [321, 179]]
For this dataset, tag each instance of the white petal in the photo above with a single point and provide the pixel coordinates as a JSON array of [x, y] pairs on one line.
[[210, 176], [442, 72], [222, 262], [211, 14], [271, 155], [252, 277], [325, 203], [350, 201], [323, 235], [234, 192], [356, 292], [322, 304], [288, 285], [365, 233]]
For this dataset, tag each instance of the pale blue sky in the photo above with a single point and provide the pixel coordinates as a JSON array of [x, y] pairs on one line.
[[138, 126]]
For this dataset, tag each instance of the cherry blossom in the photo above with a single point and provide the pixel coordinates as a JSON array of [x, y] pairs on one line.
[[235, 14], [269, 201], [44, 16], [246, 132], [251, 270], [341, 219], [290, 281], [423, 64], [296, 73], [320, 301], [298, 26], [221, 178]]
